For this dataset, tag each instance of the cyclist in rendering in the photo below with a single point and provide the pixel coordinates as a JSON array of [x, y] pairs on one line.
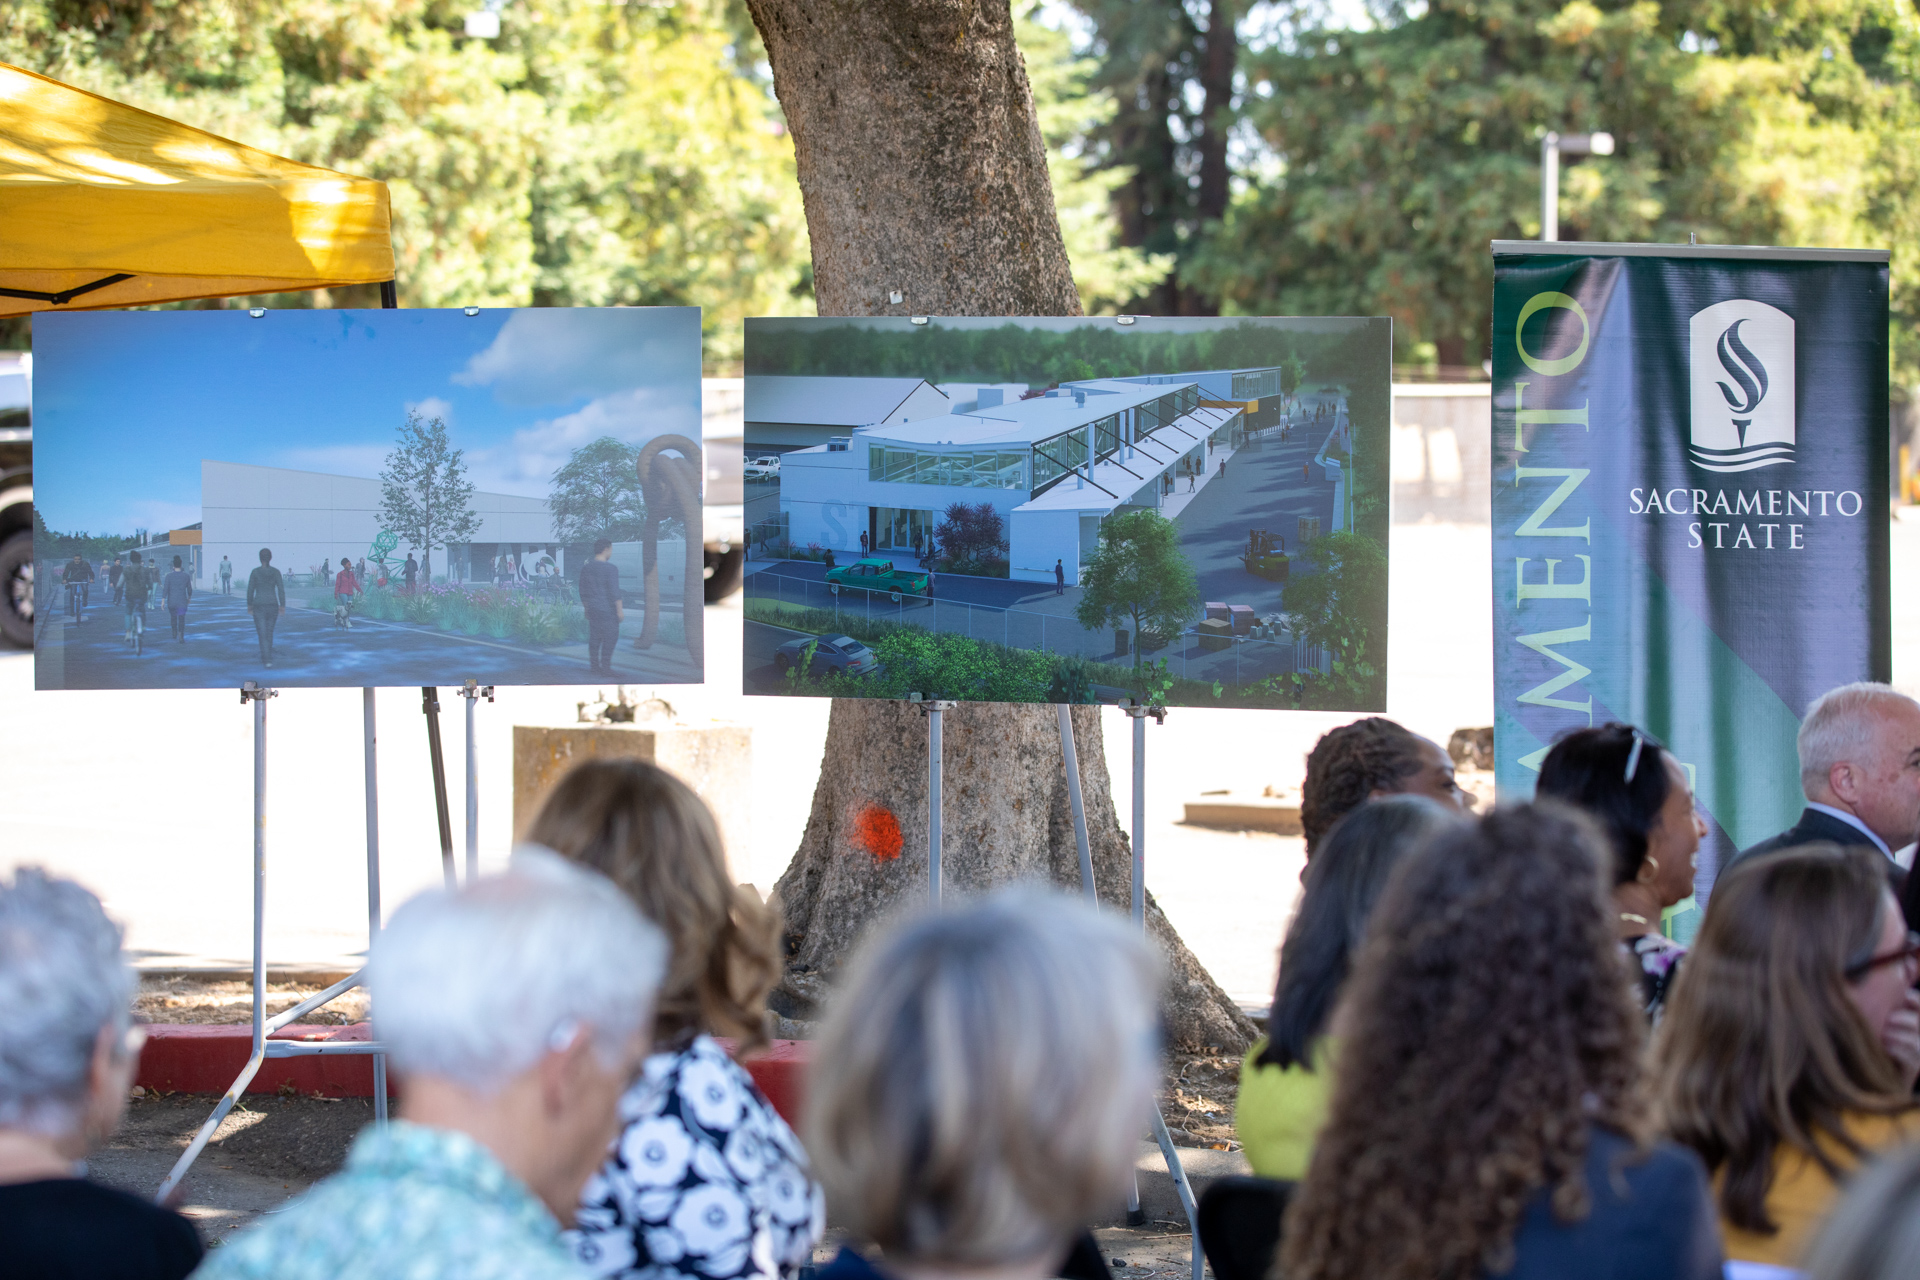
[[134, 585]]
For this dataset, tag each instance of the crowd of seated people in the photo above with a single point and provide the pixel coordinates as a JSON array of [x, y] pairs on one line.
[[1484, 1058]]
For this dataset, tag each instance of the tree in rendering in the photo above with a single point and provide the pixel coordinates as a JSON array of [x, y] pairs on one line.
[[970, 535], [1138, 577], [924, 176], [596, 494], [1337, 598], [425, 497]]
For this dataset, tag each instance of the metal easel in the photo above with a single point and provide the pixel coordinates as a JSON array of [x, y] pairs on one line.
[[1138, 714], [263, 1026]]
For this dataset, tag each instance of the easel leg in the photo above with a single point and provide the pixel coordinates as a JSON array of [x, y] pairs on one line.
[[373, 883], [249, 692], [1074, 801], [430, 705], [934, 713], [473, 692]]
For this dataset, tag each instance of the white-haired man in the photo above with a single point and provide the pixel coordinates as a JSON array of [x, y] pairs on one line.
[[1860, 769], [515, 1012]]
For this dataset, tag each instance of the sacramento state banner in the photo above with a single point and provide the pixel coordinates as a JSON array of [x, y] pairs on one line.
[[1689, 507]]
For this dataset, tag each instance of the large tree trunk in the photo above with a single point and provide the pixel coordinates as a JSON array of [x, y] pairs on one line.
[[922, 169]]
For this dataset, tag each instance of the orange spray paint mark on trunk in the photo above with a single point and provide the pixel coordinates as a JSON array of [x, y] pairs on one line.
[[877, 831]]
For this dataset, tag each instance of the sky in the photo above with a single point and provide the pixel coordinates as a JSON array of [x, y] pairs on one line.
[[126, 404]]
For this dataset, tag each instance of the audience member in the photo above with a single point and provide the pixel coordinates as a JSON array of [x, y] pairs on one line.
[[1874, 1232], [1791, 1040], [515, 1011], [980, 1085], [1365, 760], [1488, 1116], [1287, 1076], [706, 1179], [1860, 770], [67, 1057], [1640, 796]]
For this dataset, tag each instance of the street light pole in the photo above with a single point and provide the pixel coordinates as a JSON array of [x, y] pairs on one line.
[[1552, 147]]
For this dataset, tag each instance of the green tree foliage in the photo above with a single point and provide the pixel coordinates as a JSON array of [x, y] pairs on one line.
[[1072, 112], [1404, 149], [94, 547], [596, 494], [594, 154], [1138, 576], [1337, 598], [425, 496], [972, 539]]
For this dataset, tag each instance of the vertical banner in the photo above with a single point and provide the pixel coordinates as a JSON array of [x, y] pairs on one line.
[[1689, 507]]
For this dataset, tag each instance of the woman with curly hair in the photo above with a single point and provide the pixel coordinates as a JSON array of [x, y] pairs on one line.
[[1640, 796], [1488, 1118], [706, 1178], [1367, 759], [1791, 1041]]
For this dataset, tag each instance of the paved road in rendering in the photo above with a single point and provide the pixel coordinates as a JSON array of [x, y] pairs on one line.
[[221, 650]]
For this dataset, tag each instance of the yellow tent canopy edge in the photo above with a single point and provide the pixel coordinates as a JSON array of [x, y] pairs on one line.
[[92, 189]]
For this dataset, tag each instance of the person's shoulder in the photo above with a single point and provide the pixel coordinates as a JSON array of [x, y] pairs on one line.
[[84, 1220]]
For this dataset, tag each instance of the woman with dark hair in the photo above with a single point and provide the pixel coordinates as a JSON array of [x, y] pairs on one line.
[[1367, 759], [1286, 1078], [1487, 1116], [1792, 1040], [1642, 799]]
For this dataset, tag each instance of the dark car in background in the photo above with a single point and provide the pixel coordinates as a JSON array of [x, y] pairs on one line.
[[831, 654]]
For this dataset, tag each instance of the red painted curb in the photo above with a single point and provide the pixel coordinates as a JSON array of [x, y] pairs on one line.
[[205, 1059]]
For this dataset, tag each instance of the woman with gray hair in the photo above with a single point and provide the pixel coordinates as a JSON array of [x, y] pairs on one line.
[[980, 1085], [67, 1057]]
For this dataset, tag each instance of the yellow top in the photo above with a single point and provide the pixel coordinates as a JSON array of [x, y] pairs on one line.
[[1802, 1192], [1282, 1110], [91, 188]]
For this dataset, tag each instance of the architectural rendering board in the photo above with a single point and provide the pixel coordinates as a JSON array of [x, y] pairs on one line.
[[311, 498], [1190, 512]]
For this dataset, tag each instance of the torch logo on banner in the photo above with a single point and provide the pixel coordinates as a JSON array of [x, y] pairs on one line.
[[1742, 372]]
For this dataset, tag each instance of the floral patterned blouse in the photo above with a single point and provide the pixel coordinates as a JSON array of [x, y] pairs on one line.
[[1656, 958], [704, 1180]]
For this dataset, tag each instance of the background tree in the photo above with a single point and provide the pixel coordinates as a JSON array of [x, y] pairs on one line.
[[970, 534], [596, 494], [903, 113], [1140, 576], [425, 497]]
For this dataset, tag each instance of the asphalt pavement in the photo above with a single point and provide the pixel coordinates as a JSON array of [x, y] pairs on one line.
[[222, 649]]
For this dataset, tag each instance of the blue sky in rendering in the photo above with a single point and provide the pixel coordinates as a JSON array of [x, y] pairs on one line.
[[126, 404]]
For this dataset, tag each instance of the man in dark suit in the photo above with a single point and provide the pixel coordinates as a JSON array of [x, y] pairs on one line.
[[1860, 769]]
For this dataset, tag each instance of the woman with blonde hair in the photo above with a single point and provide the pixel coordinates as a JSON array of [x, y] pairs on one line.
[[1791, 1043], [705, 1178], [1487, 1114]]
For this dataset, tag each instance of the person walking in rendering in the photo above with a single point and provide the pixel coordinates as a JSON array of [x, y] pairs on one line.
[[863, 544], [114, 571], [412, 571], [345, 587], [226, 576], [600, 597], [176, 591], [134, 584], [1059, 578], [76, 575], [266, 597]]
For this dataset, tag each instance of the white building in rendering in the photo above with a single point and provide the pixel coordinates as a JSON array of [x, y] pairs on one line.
[[1053, 466], [794, 413], [308, 518]]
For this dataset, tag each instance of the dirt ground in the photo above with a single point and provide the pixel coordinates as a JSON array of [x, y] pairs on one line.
[[179, 998]]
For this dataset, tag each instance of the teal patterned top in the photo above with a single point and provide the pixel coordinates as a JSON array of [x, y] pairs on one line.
[[412, 1203]]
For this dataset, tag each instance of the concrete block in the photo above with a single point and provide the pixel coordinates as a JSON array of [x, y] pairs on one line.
[[714, 758]]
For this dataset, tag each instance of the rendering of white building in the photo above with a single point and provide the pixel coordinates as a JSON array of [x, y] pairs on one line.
[[795, 413], [307, 518], [1053, 466]]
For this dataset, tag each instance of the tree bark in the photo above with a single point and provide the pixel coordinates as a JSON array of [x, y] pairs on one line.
[[1216, 81], [923, 171]]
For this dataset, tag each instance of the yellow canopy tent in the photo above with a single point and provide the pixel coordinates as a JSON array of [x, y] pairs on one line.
[[105, 205]]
